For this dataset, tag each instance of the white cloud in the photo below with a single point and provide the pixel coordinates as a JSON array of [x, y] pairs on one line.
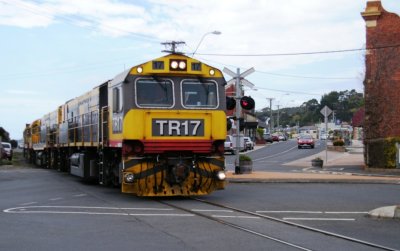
[[23, 14]]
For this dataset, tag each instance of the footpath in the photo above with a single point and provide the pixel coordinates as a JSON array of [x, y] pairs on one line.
[[341, 167]]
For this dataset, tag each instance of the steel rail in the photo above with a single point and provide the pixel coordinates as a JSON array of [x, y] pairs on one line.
[[370, 244], [235, 226]]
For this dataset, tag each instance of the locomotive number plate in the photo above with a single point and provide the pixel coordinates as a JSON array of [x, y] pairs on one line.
[[178, 127]]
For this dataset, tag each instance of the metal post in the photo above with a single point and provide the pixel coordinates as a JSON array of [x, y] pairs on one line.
[[271, 119], [326, 132], [238, 110], [277, 119], [397, 155]]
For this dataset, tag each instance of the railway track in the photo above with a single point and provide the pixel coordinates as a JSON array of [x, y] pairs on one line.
[[249, 230]]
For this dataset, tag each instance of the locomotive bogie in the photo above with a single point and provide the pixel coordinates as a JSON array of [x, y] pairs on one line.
[[172, 176]]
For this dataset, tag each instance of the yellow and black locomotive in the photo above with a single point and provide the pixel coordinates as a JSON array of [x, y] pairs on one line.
[[158, 129]]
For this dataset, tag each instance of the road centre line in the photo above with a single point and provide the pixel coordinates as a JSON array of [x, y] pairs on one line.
[[54, 199], [80, 195], [28, 203], [267, 157]]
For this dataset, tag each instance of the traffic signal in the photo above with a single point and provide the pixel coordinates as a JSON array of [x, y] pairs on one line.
[[230, 103], [247, 103]]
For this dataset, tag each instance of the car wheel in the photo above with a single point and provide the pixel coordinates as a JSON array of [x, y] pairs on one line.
[[299, 147]]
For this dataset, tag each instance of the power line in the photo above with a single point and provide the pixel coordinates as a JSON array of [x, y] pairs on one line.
[[307, 77], [47, 13], [283, 75], [286, 91], [298, 53]]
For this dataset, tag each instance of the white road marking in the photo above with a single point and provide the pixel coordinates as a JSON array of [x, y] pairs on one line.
[[241, 217], [270, 156], [312, 212], [346, 212], [320, 219], [176, 215], [28, 203], [295, 212], [54, 199], [80, 195], [63, 210], [211, 210]]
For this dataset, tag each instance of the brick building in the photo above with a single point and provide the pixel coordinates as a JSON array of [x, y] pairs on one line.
[[381, 85]]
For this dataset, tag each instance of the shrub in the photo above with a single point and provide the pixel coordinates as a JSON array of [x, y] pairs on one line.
[[338, 143], [244, 157]]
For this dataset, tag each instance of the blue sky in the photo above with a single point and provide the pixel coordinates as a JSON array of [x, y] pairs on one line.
[[55, 50]]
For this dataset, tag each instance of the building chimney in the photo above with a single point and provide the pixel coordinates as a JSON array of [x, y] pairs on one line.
[[372, 12]]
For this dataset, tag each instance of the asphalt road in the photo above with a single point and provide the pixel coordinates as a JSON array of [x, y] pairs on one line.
[[47, 210], [273, 156]]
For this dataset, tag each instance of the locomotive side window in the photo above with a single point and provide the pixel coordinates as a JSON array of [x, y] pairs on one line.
[[117, 100], [154, 93], [197, 94]]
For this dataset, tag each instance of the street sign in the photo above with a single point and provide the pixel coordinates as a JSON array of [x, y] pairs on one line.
[[326, 111]]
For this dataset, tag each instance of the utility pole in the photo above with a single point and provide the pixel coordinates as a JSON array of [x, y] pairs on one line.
[[277, 120], [271, 119]]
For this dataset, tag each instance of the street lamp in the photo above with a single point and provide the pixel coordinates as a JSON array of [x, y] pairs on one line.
[[201, 40]]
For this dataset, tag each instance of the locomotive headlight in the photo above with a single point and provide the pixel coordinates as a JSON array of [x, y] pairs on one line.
[[174, 64], [212, 72], [182, 65], [129, 178], [139, 69], [221, 175]]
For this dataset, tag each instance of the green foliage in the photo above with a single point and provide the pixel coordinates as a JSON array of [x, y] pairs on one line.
[[260, 132], [344, 103], [338, 142], [4, 135], [244, 157], [382, 152]]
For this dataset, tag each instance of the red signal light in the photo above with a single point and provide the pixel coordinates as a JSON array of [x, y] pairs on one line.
[[247, 103]]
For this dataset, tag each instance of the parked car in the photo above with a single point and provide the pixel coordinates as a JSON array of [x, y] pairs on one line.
[[7, 151], [275, 137], [268, 138], [228, 145], [282, 137], [323, 136], [305, 140], [248, 143]]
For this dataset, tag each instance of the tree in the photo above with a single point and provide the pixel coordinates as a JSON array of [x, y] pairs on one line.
[[344, 103], [5, 136]]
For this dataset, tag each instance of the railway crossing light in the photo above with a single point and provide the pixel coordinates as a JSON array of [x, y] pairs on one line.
[[247, 103], [230, 103]]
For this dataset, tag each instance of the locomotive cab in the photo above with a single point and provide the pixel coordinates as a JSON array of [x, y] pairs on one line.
[[173, 128]]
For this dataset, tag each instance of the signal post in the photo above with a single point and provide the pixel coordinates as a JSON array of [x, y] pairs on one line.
[[245, 102]]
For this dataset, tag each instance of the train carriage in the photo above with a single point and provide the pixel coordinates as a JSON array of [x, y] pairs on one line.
[[156, 129]]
